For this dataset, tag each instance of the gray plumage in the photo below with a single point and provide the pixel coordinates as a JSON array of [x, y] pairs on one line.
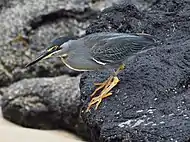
[[97, 51], [104, 50], [118, 47]]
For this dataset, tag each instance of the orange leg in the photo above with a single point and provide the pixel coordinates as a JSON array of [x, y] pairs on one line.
[[104, 94], [107, 86], [102, 85]]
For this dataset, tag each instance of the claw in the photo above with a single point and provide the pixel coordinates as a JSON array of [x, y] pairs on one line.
[[107, 86], [101, 85], [97, 89], [110, 83], [104, 96]]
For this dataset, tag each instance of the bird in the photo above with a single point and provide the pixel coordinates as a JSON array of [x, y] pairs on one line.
[[99, 51]]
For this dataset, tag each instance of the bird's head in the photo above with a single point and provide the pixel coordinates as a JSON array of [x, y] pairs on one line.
[[58, 48]]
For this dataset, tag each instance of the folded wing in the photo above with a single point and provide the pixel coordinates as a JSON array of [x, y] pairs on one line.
[[120, 46]]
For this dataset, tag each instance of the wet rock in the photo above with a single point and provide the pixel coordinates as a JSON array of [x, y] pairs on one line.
[[152, 100], [44, 103]]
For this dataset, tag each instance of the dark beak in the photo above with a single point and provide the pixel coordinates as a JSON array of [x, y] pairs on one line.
[[42, 56]]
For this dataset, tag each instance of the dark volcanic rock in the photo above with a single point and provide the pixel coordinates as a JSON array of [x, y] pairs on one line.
[[141, 4], [167, 23], [44, 103], [152, 100]]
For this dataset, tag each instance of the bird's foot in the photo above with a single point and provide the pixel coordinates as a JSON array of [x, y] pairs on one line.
[[110, 83], [102, 85]]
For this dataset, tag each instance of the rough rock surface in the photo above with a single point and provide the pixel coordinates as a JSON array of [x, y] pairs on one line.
[[39, 22], [152, 100], [44, 103]]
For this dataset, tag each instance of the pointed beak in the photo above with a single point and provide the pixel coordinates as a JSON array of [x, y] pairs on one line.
[[44, 55]]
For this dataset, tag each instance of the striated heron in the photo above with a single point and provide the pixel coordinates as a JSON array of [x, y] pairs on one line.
[[99, 51]]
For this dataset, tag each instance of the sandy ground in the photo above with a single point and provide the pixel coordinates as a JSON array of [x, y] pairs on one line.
[[10, 132]]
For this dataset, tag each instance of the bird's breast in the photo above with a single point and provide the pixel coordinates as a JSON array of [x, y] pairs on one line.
[[82, 62]]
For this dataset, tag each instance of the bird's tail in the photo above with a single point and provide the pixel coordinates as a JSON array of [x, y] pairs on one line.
[[147, 38]]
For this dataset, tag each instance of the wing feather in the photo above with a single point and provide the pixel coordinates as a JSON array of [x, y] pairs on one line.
[[117, 48]]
